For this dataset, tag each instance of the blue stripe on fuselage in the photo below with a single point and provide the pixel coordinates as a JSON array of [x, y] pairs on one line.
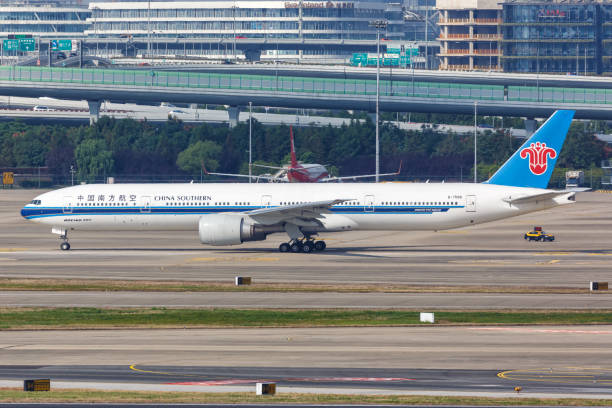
[[41, 212]]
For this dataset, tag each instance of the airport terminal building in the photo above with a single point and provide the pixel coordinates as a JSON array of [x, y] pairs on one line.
[[162, 22], [48, 19], [227, 19]]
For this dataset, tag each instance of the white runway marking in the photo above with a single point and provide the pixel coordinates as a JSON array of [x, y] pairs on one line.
[[524, 329]]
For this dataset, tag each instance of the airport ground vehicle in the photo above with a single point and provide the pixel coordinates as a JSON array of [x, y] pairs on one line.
[[574, 178], [539, 235]]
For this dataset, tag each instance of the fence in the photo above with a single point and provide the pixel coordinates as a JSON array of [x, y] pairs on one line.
[[271, 83]]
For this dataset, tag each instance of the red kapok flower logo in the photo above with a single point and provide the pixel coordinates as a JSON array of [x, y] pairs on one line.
[[538, 157]]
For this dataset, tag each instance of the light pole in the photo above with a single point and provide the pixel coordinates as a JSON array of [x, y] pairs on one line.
[[378, 24], [475, 141], [250, 139], [234, 10], [149, 29]]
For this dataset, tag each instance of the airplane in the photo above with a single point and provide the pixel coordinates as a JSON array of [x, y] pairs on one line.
[[297, 172], [234, 213]]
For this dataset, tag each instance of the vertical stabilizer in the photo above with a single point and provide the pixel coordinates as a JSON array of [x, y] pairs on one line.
[[533, 163], [293, 158]]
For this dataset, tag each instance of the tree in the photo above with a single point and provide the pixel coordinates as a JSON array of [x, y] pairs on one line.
[[93, 159], [191, 159], [582, 149]]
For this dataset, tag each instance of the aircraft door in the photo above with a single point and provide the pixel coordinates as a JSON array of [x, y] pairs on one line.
[[145, 204], [266, 200], [67, 207], [368, 203], [470, 203]]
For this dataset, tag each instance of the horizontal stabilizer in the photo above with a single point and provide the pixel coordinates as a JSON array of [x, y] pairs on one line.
[[537, 197]]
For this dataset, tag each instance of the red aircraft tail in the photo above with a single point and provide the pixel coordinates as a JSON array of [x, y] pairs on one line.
[[294, 162]]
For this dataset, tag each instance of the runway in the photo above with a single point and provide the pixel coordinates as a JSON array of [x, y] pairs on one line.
[[392, 360], [309, 300]]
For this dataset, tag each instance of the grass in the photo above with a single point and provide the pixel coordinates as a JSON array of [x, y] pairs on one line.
[[185, 286], [95, 396], [73, 318]]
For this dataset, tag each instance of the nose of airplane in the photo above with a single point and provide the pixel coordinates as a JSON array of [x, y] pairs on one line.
[[24, 212]]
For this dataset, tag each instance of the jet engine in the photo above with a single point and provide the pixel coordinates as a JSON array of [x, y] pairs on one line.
[[228, 229]]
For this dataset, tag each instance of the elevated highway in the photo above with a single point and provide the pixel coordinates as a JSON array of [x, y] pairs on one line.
[[236, 90], [400, 74]]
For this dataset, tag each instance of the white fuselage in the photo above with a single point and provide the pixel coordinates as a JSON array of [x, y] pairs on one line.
[[382, 206]]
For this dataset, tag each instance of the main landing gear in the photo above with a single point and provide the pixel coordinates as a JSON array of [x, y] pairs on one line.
[[305, 245]]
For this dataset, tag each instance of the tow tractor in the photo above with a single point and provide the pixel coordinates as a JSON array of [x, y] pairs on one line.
[[539, 235]]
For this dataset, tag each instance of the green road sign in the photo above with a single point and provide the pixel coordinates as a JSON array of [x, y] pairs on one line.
[[61, 45], [27, 44], [10, 45]]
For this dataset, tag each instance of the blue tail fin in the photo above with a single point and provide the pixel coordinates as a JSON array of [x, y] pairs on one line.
[[533, 164]]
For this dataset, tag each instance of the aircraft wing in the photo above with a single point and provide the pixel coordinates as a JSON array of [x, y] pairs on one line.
[[536, 197], [362, 176], [296, 213], [269, 167], [268, 178]]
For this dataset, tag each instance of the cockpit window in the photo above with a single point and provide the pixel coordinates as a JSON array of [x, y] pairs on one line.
[[35, 202]]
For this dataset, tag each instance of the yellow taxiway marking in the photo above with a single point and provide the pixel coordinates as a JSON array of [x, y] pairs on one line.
[[596, 254], [133, 367], [232, 259], [554, 261], [554, 253], [12, 249], [482, 262], [566, 375]]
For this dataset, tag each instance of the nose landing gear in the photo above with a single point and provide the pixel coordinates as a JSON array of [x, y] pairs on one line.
[[65, 245]]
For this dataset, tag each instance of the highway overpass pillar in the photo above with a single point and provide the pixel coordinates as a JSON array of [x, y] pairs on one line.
[[530, 126], [234, 114], [94, 111]]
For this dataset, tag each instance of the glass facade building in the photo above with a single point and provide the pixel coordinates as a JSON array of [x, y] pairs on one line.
[[250, 18], [553, 36], [44, 19]]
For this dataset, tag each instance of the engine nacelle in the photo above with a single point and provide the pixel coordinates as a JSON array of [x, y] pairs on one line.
[[227, 229]]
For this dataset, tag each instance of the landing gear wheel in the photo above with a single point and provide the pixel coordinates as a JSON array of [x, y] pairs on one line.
[[284, 247], [296, 247], [308, 247], [64, 246], [320, 245]]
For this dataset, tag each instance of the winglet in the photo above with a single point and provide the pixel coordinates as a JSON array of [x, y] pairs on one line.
[[533, 163], [204, 168]]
